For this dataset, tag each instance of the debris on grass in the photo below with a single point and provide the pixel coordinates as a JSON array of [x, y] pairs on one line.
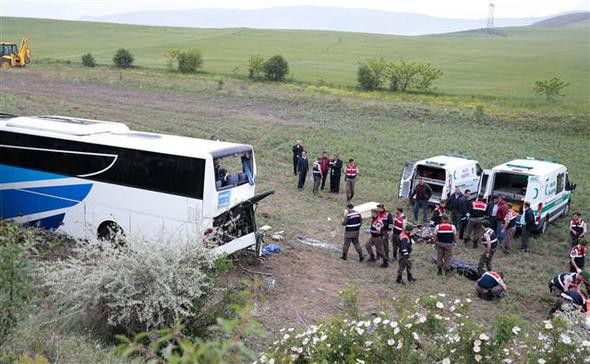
[[317, 243]]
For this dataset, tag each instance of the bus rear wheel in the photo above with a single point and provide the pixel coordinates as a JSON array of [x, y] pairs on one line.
[[110, 231]]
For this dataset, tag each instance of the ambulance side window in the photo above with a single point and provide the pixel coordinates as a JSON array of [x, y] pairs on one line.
[[478, 169], [560, 182]]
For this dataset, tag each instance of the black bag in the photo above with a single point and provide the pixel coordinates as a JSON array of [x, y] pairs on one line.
[[463, 268]]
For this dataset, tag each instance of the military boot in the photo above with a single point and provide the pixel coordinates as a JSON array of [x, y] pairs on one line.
[[439, 271], [385, 264], [474, 244], [400, 280], [411, 278], [372, 258], [361, 258], [343, 257]]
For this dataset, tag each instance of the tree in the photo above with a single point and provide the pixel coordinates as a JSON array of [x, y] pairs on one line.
[[189, 60], [275, 68], [406, 73], [427, 74], [123, 58], [366, 78], [550, 88], [88, 60], [255, 63], [172, 58]]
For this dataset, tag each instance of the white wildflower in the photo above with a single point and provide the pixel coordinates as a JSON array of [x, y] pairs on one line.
[[360, 323], [396, 331], [446, 361], [305, 341], [442, 295], [323, 337], [468, 300], [293, 348], [516, 330], [263, 359], [399, 345], [452, 308], [477, 343], [271, 361], [290, 329], [359, 331], [385, 322], [585, 343], [282, 330], [477, 358], [376, 320], [407, 326], [368, 343], [548, 325], [393, 324], [299, 350], [456, 301], [541, 361], [440, 305], [286, 337], [390, 342], [421, 319], [416, 336], [484, 337], [359, 361], [565, 339], [438, 317], [367, 323]]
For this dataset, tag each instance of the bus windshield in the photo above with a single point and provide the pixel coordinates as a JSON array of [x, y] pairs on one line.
[[233, 169]]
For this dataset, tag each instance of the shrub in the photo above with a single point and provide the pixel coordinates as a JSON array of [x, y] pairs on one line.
[[255, 63], [550, 88], [137, 287], [16, 273], [88, 60], [275, 68], [427, 74], [190, 60], [123, 58], [367, 80], [405, 74]]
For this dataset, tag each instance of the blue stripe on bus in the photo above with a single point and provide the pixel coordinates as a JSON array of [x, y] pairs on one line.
[[9, 174], [50, 222], [14, 203]]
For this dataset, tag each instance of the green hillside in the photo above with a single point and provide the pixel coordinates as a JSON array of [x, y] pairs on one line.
[[473, 63]]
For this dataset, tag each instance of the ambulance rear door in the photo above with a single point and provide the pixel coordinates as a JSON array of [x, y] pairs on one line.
[[406, 180], [482, 190]]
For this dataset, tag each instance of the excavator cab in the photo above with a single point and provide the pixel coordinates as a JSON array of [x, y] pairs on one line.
[[10, 56]]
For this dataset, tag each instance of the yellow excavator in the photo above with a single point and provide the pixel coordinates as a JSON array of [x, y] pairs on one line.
[[12, 56]]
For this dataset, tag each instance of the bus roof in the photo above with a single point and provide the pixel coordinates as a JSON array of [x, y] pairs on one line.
[[119, 135], [529, 166], [446, 161]]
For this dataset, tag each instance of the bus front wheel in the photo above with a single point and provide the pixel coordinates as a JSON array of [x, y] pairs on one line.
[[110, 231]]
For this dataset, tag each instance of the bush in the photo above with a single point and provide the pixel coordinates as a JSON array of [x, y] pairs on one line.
[[275, 68], [185, 61], [432, 329], [134, 288], [88, 60], [16, 273], [255, 63], [123, 58], [427, 74], [550, 88], [367, 80], [404, 75]]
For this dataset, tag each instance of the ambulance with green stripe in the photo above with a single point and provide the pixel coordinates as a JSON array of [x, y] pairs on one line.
[[545, 184]]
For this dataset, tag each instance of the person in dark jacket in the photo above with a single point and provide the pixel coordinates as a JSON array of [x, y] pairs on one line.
[[302, 169], [297, 151], [576, 298], [352, 222], [527, 227], [460, 207], [405, 249], [490, 286], [492, 211], [422, 193], [335, 174]]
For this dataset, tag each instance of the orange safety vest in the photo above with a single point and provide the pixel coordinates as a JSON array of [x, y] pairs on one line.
[[398, 223], [351, 170]]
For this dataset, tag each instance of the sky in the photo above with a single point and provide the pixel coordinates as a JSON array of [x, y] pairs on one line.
[[465, 9]]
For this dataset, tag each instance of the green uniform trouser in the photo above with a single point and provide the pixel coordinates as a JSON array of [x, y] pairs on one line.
[[377, 242], [508, 239], [395, 243], [352, 237], [405, 263], [350, 188], [444, 255], [486, 260], [490, 294], [473, 228]]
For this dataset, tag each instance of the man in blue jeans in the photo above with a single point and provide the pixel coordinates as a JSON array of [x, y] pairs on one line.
[[422, 193]]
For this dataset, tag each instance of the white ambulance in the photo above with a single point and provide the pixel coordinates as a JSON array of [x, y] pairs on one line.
[[442, 173], [545, 184]]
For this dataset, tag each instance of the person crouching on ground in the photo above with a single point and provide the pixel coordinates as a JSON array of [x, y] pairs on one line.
[[490, 241], [405, 249], [352, 222], [564, 282], [578, 299], [376, 240], [490, 286]]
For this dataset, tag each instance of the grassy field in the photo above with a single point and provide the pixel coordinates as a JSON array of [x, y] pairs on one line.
[[474, 64]]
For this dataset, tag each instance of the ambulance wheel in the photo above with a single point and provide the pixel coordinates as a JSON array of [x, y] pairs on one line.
[[110, 231], [543, 226]]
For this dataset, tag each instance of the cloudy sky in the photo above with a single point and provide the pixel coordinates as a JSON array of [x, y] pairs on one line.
[[470, 9]]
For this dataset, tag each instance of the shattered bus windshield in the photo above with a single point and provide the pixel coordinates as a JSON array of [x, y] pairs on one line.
[[233, 169]]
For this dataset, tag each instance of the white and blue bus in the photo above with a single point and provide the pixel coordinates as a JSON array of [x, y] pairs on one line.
[[89, 178]]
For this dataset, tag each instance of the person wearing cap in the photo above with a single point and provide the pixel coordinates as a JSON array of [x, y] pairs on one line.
[[438, 213], [398, 227], [405, 249], [422, 193], [490, 242], [576, 298], [297, 151], [386, 231], [578, 256], [490, 286], [444, 236], [476, 213], [376, 240], [509, 228], [335, 173], [577, 228], [352, 222], [564, 282]]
